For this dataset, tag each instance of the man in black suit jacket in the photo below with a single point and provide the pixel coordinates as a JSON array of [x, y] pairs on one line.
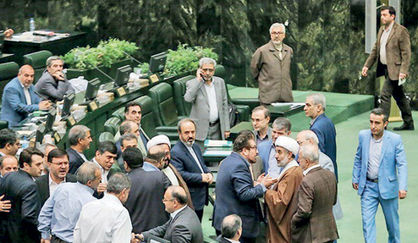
[[79, 138], [183, 226], [19, 225], [231, 229], [144, 203], [58, 173], [188, 160]]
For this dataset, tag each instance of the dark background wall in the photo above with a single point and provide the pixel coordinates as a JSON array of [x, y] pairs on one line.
[[327, 35]]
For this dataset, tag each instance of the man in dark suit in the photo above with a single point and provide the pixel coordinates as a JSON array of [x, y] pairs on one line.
[[144, 203], [322, 126], [313, 220], [19, 98], [19, 225], [133, 112], [79, 139], [236, 192], [392, 51], [231, 229], [8, 164], [53, 84], [188, 160], [183, 226], [126, 127], [58, 173], [9, 143]]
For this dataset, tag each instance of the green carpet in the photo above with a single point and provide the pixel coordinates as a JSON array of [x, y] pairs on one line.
[[350, 226]]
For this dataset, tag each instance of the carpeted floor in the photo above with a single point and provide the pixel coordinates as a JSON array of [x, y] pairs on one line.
[[349, 227]]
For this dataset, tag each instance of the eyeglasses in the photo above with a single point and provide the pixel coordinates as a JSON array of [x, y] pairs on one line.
[[208, 69], [277, 33], [61, 163]]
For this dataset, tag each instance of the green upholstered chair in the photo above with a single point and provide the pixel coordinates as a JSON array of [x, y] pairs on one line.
[[112, 125], [149, 120], [38, 61], [106, 136], [4, 124], [119, 113], [8, 71], [179, 87], [164, 105]]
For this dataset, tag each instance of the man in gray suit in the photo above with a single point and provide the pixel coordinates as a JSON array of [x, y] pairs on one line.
[[53, 84], [183, 226], [209, 103]]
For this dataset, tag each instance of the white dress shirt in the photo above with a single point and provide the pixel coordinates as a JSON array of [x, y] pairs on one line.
[[104, 172], [104, 220], [383, 40], [53, 185], [213, 106], [190, 148], [27, 94], [305, 172], [173, 214]]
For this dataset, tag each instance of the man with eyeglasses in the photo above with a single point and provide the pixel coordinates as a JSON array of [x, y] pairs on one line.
[[270, 66], [208, 96], [58, 165]]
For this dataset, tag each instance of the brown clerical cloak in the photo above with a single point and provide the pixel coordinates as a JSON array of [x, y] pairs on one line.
[[281, 205]]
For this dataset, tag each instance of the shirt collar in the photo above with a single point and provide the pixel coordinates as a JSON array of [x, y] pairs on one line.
[[173, 214], [101, 168], [390, 27], [148, 164], [305, 172], [52, 182]]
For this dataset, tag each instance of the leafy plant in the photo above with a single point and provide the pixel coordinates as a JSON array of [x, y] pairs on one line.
[[105, 54], [184, 59]]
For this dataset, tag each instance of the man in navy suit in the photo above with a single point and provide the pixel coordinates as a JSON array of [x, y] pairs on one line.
[[322, 126], [188, 160], [19, 98], [380, 175], [236, 192]]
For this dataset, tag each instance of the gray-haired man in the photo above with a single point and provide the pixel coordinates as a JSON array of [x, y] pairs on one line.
[[208, 96], [113, 226], [270, 66], [53, 84]]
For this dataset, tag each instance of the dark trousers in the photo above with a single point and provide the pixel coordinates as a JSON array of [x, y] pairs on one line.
[[391, 88], [55, 239], [199, 214]]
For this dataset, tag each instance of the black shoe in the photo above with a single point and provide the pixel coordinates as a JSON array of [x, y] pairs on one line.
[[405, 126]]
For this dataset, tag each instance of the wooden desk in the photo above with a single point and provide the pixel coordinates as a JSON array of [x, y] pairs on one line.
[[21, 44]]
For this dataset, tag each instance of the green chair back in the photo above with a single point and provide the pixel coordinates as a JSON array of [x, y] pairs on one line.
[[179, 87], [162, 96], [38, 61], [148, 120], [119, 113], [112, 125], [8, 71]]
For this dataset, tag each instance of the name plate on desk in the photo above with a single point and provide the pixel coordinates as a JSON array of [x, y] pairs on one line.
[[120, 91], [71, 121], [93, 106], [57, 137], [154, 78]]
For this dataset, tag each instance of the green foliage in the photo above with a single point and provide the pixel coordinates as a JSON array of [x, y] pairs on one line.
[[105, 54], [186, 59]]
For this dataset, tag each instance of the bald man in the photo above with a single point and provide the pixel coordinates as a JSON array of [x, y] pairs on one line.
[[19, 98]]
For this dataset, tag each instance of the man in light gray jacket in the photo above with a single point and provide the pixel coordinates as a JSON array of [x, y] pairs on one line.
[[209, 103], [53, 84]]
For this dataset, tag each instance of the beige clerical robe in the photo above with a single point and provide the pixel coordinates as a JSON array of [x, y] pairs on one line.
[[281, 205]]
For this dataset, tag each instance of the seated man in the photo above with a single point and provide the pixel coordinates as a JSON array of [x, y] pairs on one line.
[[53, 84], [184, 225], [19, 98]]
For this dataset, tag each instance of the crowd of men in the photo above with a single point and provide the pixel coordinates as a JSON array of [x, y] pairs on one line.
[[271, 188]]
